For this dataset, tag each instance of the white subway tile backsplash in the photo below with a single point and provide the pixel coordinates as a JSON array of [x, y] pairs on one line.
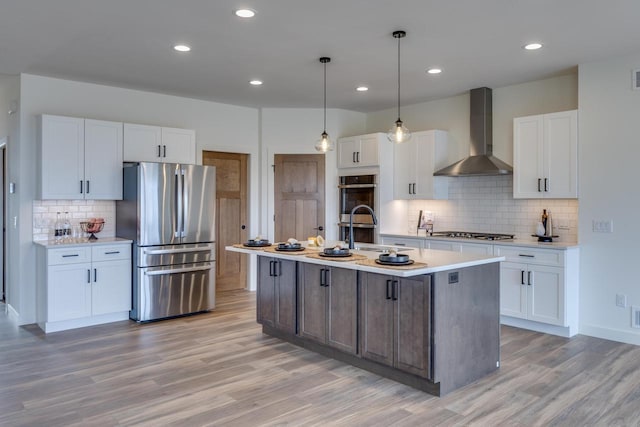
[[486, 204], [44, 215]]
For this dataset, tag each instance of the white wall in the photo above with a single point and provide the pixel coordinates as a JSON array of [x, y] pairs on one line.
[[218, 127], [609, 152], [295, 131]]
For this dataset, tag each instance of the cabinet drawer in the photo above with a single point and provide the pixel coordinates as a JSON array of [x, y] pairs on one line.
[[105, 253], [403, 241], [530, 255], [72, 255]]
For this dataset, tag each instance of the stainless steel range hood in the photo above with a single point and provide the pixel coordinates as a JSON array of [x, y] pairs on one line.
[[481, 160]]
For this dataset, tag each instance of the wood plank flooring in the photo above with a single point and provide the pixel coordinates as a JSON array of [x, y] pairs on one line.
[[219, 369]]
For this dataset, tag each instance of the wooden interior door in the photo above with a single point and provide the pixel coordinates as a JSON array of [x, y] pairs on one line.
[[299, 196], [231, 216]]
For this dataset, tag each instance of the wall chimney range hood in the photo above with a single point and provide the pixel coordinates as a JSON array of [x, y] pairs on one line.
[[481, 160]]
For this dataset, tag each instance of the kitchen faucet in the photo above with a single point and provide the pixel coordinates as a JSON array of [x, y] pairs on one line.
[[375, 222]]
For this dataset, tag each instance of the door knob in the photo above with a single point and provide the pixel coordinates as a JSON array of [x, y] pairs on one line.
[[319, 228], [243, 226]]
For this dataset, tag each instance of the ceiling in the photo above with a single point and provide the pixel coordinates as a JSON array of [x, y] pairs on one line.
[[128, 43]]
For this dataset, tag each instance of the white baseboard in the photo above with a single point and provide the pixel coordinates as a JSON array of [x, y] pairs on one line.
[[561, 331], [64, 325], [611, 334], [13, 314]]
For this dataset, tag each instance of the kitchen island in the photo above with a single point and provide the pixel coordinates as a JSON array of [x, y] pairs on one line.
[[434, 325]]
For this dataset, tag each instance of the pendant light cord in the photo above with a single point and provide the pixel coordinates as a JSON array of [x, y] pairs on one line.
[[325, 97], [398, 78]]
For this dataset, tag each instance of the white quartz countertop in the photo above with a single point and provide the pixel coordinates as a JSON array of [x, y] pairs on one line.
[[82, 242], [436, 260], [530, 243]]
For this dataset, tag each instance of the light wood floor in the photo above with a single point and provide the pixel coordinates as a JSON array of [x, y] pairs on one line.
[[218, 369]]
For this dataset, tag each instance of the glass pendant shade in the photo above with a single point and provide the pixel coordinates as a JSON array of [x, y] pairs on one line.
[[399, 133], [324, 144]]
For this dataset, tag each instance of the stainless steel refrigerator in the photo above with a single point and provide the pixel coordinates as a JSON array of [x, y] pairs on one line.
[[168, 210]]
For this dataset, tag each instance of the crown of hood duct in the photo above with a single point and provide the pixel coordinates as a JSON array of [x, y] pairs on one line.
[[481, 160]]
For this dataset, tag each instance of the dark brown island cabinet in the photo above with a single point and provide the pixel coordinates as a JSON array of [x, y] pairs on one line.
[[435, 332]]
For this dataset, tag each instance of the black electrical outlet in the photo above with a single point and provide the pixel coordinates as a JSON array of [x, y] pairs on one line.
[[453, 277]]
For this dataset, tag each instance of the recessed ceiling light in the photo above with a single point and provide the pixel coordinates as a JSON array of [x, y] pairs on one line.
[[362, 88], [255, 82], [245, 13], [533, 46], [182, 48], [434, 70]]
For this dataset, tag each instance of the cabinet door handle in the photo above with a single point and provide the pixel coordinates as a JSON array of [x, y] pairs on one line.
[[95, 274], [394, 289], [522, 277], [539, 184], [358, 156], [88, 275], [69, 256], [546, 187], [159, 153], [277, 268], [327, 277], [81, 182], [271, 269], [527, 255], [322, 277], [353, 157], [388, 289], [409, 188], [112, 252], [87, 186], [414, 188], [164, 151], [529, 277]]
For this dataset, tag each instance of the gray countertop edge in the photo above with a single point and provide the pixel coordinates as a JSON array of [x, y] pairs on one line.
[[50, 244], [436, 261], [515, 242]]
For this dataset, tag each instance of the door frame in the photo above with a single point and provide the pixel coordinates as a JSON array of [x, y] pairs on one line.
[[253, 196], [245, 200], [330, 187]]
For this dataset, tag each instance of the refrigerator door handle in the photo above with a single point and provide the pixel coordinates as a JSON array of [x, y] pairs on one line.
[[185, 205], [177, 270], [177, 251], [178, 204]]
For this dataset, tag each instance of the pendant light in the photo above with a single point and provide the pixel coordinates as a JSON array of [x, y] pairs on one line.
[[325, 144], [399, 132]]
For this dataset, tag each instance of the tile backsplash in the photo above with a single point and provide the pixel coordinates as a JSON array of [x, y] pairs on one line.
[[44, 215], [486, 204]]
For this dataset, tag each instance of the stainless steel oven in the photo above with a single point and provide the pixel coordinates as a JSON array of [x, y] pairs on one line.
[[357, 190]]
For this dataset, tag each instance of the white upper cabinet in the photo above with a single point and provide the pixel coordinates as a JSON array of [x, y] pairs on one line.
[[359, 151], [144, 143], [179, 145], [545, 156], [415, 162], [103, 160], [79, 159]]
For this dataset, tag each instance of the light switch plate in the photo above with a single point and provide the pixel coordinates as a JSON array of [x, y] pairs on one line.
[[602, 226]]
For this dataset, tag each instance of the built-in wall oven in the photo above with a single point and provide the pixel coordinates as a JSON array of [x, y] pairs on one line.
[[357, 190]]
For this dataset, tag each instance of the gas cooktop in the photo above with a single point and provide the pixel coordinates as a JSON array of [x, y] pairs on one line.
[[471, 235]]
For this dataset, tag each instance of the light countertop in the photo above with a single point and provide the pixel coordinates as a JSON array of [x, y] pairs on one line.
[[81, 242], [436, 260], [530, 243]]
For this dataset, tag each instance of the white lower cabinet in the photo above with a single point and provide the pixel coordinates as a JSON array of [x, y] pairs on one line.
[[539, 285], [475, 248], [83, 285]]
